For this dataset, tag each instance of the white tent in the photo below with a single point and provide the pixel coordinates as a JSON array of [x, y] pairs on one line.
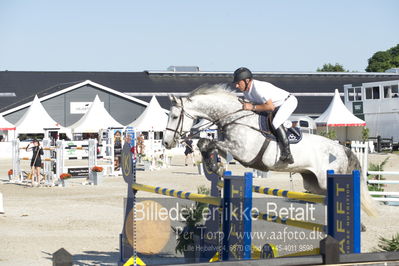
[[153, 118], [347, 126], [36, 119], [95, 119], [5, 125], [5, 128]]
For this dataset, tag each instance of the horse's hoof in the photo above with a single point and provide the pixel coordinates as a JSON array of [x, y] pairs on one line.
[[220, 172], [216, 169], [363, 228], [203, 144], [208, 165]]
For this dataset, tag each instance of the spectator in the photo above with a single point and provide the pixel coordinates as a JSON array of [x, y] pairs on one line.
[[189, 151], [36, 161]]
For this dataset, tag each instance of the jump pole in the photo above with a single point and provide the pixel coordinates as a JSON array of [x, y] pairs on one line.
[[339, 185], [16, 166], [236, 195], [286, 194]]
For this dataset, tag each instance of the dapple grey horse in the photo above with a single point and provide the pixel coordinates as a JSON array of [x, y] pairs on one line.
[[313, 155]]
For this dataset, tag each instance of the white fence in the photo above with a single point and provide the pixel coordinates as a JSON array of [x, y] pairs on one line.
[[389, 196], [361, 150]]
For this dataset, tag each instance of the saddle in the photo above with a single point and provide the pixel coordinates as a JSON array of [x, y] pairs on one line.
[[294, 134]]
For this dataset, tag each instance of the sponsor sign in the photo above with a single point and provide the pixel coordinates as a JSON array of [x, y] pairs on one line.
[[79, 172], [80, 107], [344, 210]]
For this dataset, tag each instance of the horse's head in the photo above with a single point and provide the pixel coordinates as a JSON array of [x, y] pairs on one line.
[[179, 122], [212, 102]]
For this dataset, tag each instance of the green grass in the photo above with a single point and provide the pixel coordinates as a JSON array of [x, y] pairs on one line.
[[386, 244], [377, 167]]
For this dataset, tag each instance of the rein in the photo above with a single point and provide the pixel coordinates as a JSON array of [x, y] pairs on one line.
[[179, 133]]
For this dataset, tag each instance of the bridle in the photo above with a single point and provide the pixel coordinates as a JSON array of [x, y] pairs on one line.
[[178, 133]]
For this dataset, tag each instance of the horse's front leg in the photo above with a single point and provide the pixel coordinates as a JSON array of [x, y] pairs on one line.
[[207, 147]]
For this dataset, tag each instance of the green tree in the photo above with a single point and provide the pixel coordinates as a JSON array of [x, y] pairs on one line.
[[331, 134], [365, 134], [332, 68], [383, 60], [379, 167]]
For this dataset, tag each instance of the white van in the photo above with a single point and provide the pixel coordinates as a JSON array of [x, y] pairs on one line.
[[305, 123]]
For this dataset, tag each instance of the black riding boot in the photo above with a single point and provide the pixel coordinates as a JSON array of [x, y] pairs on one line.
[[285, 155]]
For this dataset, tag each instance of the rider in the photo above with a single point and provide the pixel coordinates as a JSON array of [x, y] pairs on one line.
[[264, 96]]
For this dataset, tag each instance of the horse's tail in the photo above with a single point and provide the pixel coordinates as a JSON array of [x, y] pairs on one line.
[[367, 202]]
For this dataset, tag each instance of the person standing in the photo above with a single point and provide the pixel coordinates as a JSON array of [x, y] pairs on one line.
[[117, 150], [189, 151], [140, 144], [265, 97], [36, 161]]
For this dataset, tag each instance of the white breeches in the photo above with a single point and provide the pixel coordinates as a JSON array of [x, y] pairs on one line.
[[285, 110]]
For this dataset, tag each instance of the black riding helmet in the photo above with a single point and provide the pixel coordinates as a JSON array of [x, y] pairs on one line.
[[242, 73]]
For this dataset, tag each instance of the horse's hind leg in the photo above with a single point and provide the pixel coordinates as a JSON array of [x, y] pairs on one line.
[[311, 183]]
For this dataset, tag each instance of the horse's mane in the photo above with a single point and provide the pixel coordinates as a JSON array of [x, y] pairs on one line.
[[207, 89]]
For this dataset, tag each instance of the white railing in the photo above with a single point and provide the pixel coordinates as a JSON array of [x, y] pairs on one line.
[[394, 195], [361, 150], [383, 182], [382, 173], [386, 199], [383, 193]]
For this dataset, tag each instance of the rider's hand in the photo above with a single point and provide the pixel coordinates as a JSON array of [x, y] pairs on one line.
[[247, 106]]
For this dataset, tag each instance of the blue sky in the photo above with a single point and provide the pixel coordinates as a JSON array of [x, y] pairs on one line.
[[95, 35]]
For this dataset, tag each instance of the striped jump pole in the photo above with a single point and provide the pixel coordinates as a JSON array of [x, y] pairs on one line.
[[75, 147], [178, 194], [291, 222], [290, 194], [43, 159], [82, 147], [308, 197], [44, 148]]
